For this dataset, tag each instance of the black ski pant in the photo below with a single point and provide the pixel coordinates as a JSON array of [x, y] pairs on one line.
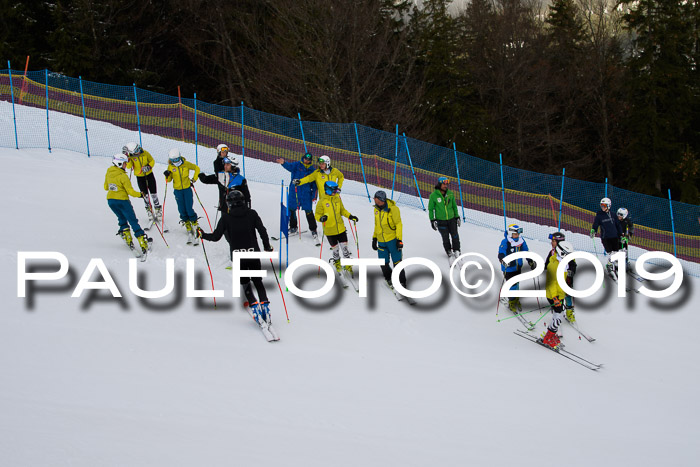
[[250, 263], [147, 184], [611, 245], [448, 229], [293, 224]]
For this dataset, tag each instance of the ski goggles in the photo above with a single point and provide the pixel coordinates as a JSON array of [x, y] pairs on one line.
[[519, 230], [177, 161], [224, 149], [307, 158], [556, 236], [443, 180]]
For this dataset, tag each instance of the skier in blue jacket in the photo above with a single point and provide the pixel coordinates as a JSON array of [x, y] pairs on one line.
[[301, 195], [513, 243], [610, 232]]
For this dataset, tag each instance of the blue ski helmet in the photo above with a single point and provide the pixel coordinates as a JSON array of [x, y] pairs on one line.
[[331, 188]]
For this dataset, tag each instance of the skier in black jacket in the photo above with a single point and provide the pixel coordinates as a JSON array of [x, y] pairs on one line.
[[228, 180], [239, 224], [627, 230], [610, 232]]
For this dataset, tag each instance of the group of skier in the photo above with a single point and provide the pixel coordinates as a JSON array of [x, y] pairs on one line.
[[241, 225]]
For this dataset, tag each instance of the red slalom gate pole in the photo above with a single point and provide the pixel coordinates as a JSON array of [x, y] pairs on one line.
[[24, 81], [554, 214]]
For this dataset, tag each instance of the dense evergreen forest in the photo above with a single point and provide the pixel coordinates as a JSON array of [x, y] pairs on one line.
[[604, 88]]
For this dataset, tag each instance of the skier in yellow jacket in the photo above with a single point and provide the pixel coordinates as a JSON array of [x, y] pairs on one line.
[[388, 234], [325, 173], [555, 294], [179, 172], [118, 188], [142, 164], [330, 212]]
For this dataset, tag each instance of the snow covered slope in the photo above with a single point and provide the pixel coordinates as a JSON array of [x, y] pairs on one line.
[[95, 381]]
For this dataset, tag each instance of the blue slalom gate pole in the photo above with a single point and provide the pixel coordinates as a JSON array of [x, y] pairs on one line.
[[82, 100], [408, 152], [196, 146], [281, 207], [459, 182], [362, 166], [46, 87], [606, 187], [561, 196], [673, 227], [396, 160], [301, 126], [503, 193], [243, 143], [12, 94], [138, 117]]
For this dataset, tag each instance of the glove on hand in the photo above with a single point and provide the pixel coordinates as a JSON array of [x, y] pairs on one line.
[[353, 218], [201, 177], [166, 173], [592, 233], [399, 244], [459, 222], [531, 263], [433, 224], [200, 232], [323, 218], [375, 245], [296, 182], [269, 248]]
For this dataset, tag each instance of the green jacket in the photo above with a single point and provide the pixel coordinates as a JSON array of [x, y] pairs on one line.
[[442, 207]]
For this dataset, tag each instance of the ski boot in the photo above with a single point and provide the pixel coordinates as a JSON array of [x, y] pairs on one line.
[[293, 230], [570, 317], [336, 263], [126, 236], [456, 254], [514, 305], [348, 268], [265, 312], [159, 214], [145, 243], [255, 308], [610, 267], [149, 211], [314, 236], [190, 233], [551, 340]]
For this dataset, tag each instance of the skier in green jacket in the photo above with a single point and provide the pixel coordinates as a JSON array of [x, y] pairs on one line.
[[444, 217]]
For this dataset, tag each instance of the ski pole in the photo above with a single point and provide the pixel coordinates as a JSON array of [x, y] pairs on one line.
[[515, 315], [200, 203], [145, 196], [296, 195], [162, 209], [323, 234], [534, 282], [356, 238], [201, 242], [499, 294], [280, 287]]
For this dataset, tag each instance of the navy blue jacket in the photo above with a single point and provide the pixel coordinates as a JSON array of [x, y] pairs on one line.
[[304, 194], [609, 224]]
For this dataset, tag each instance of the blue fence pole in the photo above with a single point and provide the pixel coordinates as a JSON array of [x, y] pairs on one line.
[[606, 187], [459, 183], [408, 153], [46, 88], [243, 146], [196, 142], [281, 207], [82, 100], [503, 194], [12, 94], [561, 196], [138, 117], [301, 126], [673, 227], [362, 166], [396, 160]]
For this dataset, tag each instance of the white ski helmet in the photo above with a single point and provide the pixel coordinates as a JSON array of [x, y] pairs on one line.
[[233, 160], [326, 160], [120, 160], [563, 248], [174, 157], [132, 149], [514, 229], [622, 212], [221, 147], [607, 202]]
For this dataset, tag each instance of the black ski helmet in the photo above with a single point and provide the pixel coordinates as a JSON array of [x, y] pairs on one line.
[[557, 236], [235, 199], [381, 196]]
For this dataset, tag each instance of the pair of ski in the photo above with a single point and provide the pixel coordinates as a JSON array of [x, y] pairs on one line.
[[560, 351], [530, 326], [398, 296], [138, 252], [317, 240], [345, 278], [268, 331], [628, 286]]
